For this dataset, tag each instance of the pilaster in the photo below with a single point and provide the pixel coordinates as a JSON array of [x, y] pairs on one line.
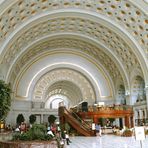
[[146, 92], [128, 101]]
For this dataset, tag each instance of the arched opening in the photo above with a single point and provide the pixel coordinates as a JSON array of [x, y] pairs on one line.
[[138, 90], [121, 99], [53, 101]]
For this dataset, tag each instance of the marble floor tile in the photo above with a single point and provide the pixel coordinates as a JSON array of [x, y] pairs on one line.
[[106, 141]]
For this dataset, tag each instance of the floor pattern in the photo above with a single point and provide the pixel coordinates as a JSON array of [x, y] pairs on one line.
[[106, 141]]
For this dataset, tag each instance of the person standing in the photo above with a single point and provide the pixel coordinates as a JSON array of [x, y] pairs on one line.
[[93, 127], [98, 130], [23, 127], [67, 138]]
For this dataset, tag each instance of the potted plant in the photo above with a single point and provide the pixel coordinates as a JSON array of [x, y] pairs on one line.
[[5, 99], [20, 118], [51, 119], [5, 102], [37, 132], [32, 119], [127, 133]]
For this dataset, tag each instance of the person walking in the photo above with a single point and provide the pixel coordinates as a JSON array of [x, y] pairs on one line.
[[65, 137]]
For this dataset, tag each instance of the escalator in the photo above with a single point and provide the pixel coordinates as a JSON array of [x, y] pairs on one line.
[[81, 126]]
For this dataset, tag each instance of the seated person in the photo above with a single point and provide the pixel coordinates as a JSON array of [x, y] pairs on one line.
[[50, 133]]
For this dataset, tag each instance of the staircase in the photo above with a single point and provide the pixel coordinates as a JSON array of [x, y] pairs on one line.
[[77, 123]]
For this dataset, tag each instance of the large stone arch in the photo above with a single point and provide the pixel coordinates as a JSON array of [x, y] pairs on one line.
[[27, 79], [128, 5], [75, 46], [66, 76]]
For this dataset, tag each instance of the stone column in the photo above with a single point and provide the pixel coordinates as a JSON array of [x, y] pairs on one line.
[[146, 91], [42, 118], [145, 110], [141, 114], [117, 122], [135, 117]]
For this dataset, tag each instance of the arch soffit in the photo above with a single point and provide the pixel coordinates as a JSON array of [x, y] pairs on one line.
[[135, 73], [79, 45], [132, 7], [122, 58], [123, 50], [69, 93], [95, 6], [118, 84], [134, 79], [64, 87], [56, 75], [137, 85], [54, 97], [87, 72]]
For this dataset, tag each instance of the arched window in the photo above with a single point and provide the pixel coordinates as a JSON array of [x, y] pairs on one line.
[[53, 101]]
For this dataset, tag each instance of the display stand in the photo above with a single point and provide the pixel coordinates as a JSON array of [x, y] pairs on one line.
[[140, 134]]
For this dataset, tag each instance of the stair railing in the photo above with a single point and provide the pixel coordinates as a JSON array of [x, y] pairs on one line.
[[81, 121]]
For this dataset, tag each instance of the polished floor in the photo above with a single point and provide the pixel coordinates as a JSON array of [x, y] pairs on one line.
[[106, 141]]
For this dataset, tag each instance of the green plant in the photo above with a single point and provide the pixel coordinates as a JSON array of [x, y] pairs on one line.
[[51, 119], [102, 121], [16, 136], [127, 133], [20, 118], [37, 132], [32, 119], [5, 99], [25, 136]]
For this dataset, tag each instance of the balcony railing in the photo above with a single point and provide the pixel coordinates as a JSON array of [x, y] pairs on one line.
[[104, 108]]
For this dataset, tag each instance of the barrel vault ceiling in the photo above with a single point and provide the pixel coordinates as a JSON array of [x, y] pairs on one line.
[[111, 34]]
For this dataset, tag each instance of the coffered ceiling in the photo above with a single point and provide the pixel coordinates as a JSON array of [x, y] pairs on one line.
[[112, 34]]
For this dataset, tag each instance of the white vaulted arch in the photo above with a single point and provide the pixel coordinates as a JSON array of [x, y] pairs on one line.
[[124, 46], [28, 79]]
